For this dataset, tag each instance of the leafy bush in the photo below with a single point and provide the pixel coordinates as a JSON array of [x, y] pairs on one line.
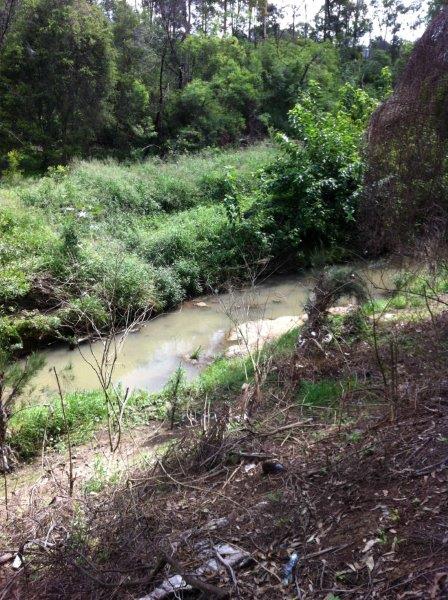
[[314, 186]]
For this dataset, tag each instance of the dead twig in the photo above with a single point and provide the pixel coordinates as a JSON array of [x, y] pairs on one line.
[[436, 466], [212, 590], [229, 570], [306, 423]]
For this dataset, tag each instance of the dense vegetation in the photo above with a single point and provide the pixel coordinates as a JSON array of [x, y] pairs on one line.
[[88, 240], [104, 81], [155, 233], [80, 78], [80, 240]]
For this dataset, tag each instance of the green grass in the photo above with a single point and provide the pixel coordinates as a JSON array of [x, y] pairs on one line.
[[99, 187], [32, 426], [142, 234], [399, 301], [320, 393]]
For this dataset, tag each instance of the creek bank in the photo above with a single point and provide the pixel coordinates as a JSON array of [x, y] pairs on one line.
[[360, 502], [152, 354], [253, 335]]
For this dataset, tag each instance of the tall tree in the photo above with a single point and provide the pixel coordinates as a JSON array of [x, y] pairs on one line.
[[344, 21], [7, 12], [56, 78], [131, 126]]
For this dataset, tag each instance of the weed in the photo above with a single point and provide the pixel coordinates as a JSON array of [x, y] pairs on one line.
[[321, 393], [196, 354], [102, 477], [354, 437]]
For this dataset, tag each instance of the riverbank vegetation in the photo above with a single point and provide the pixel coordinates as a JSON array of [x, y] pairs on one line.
[[98, 234], [149, 155], [362, 412], [137, 236], [163, 225]]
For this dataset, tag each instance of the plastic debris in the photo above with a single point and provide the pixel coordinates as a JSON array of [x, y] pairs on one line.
[[288, 569]]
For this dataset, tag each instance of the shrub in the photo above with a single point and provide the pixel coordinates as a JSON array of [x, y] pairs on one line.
[[134, 236], [313, 187], [99, 188], [115, 276], [28, 330], [169, 289]]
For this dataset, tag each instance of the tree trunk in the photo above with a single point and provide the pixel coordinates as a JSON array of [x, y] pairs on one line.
[[4, 454], [224, 24]]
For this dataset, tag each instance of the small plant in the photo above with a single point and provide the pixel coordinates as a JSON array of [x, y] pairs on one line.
[[354, 437], [173, 392], [331, 286], [13, 172], [71, 478], [320, 393], [382, 537], [196, 354], [275, 496], [13, 378], [101, 477]]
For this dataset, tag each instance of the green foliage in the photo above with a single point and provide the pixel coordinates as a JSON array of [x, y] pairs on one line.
[[13, 171], [102, 477], [56, 74], [320, 393], [83, 78], [15, 376], [28, 330], [32, 426], [313, 188], [99, 234], [95, 189], [26, 246]]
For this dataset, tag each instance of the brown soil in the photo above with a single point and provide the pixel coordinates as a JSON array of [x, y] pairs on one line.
[[363, 499]]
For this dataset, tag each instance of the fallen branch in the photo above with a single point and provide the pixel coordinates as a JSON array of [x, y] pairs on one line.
[[252, 455], [212, 590], [306, 423], [435, 467], [229, 570], [326, 551]]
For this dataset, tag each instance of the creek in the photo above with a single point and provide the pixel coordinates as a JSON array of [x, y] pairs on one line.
[[152, 354]]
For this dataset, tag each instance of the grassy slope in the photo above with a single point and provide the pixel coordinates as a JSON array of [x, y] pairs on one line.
[[157, 230]]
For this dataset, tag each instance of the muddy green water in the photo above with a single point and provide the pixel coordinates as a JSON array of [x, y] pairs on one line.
[[150, 356]]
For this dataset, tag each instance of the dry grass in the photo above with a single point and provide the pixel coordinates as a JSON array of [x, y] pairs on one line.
[[363, 499]]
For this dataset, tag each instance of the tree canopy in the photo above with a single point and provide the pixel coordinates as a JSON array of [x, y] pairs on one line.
[[82, 78]]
